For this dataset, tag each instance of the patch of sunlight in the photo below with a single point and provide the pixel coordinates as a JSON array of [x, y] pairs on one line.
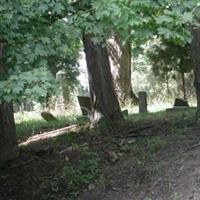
[[27, 116], [155, 107], [36, 115]]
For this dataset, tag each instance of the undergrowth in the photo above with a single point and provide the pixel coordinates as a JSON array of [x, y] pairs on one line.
[[82, 172]]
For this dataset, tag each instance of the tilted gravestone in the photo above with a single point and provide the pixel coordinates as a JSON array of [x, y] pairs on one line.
[[48, 116]]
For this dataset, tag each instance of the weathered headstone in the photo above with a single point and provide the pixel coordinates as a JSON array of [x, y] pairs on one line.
[[64, 98], [142, 102], [48, 116], [180, 102], [125, 113], [85, 104]]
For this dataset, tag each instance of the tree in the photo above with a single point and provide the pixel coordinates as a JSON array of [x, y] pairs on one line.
[[26, 30], [8, 141], [169, 60], [122, 21], [121, 57], [196, 61], [105, 106], [27, 43], [196, 58]]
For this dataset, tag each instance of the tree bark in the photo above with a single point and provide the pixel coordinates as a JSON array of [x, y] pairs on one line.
[[121, 58], [183, 86], [167, 82], [105, 105], [183, 80], [196, 65], [8, 141]]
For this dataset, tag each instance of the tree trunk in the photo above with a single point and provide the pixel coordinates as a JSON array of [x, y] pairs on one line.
[[121, 58], [183, 86], [183, 80], [8, 141], [196, 65], [167, 82], [105, 105]]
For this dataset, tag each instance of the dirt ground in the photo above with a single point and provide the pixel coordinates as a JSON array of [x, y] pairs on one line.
[[180, 177], [172, 171]]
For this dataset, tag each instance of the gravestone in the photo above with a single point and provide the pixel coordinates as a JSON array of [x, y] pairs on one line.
[[64, 98], [125, 113], [142, 102], [85, 104], [48, 116], [180, 102], [179, 105]]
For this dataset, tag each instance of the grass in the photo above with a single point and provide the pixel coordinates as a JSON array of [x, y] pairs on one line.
[[83, 167], [31, 123], [84, 171], [143, 117], [28, 124], [156, 144]]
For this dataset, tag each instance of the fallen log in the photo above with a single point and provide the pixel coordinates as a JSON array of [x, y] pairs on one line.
[[48, 135]]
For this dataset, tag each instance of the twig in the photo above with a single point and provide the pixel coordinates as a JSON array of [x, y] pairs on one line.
[[131, 133], [141, 135], [140, 129], [21, 164], [112, 186], [191, 148], [26, 162]]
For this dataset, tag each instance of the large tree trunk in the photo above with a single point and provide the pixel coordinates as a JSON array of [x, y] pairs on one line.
[[196, 65], [121, 59], [105, 104], [8, 142]]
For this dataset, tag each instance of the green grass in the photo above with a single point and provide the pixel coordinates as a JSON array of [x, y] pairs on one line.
[[83, 166], [84, 171], [29, 125], [156, 144], [143, 117]]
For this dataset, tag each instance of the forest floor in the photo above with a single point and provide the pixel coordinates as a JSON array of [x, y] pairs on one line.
[[155, 157]]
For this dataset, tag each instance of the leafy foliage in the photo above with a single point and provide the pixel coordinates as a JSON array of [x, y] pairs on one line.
[[28, 85], [167, 59], [35, 37], [45, 34]]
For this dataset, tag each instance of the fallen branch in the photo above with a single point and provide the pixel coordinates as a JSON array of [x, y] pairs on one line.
[[141, 135], [191, 148], [132, 133], [26, 162], [140, 129], [48, 135], [21, 164]]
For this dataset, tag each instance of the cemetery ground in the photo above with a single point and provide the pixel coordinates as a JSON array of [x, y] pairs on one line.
[[149, 156]]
